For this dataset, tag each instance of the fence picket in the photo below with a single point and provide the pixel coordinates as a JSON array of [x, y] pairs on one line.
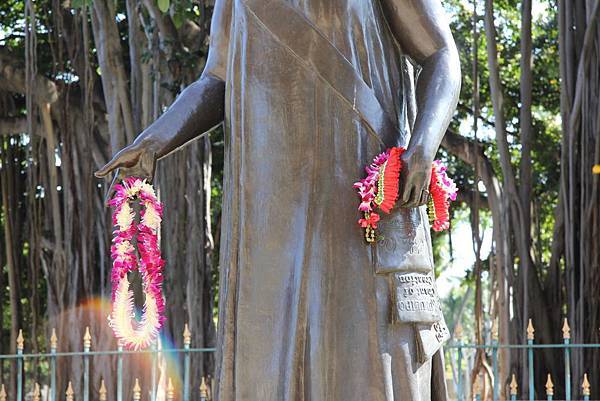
[[495, 385], [203, 390], [87, 345], [137, 390], [549, 388], [70, 394], [566, 340], [20, 347], [530, 337], [53, 347], [585, 388], [187, 341], [120, 373], [514, 387], [102, 391]]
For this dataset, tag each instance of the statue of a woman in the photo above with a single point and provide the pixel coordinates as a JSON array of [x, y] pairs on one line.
[[309, 92]]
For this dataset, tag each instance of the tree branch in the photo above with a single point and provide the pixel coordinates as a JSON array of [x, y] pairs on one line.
[[12, 79]]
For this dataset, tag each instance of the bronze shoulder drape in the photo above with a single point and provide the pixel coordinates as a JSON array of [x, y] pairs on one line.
[[314, 90]]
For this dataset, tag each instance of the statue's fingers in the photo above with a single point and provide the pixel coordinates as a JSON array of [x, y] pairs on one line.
[[114, 163], [143, 168], [126, 157], [415, 197], [424, 197], [406, 196], [111, 189]]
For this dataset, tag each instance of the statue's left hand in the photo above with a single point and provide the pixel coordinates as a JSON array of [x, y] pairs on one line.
[[415, 177], [135, 160]]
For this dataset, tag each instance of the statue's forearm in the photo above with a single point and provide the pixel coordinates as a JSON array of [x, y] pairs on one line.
[[438, 88], [196, 110], [421, 28]]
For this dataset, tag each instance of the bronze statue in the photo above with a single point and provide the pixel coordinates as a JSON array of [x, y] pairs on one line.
[[309, 91]]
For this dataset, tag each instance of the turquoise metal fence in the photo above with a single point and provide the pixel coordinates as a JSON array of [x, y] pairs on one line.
[[456, 350], [187, 394]]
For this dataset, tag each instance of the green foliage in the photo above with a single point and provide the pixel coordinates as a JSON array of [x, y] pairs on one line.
[[546, 94], [546, 117], [80, 3], [163, 5]]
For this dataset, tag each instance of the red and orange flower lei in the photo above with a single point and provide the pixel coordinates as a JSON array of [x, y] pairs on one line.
[[147, 261], [379, 190]]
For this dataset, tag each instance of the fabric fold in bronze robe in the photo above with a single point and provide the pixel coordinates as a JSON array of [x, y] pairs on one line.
[[314, 90]]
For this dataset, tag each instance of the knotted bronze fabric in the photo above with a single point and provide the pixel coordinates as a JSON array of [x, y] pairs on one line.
[[314, 90]]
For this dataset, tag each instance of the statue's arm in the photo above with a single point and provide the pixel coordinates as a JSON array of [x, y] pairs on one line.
[[421, 28], [196, 110]]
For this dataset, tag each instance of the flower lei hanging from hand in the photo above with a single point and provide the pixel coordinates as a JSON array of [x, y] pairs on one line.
[[442, 190], [380, 190], [148, 262]]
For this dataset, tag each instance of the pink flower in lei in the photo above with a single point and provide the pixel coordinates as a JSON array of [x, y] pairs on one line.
[[367, 187], [134, 334], [368, 190]]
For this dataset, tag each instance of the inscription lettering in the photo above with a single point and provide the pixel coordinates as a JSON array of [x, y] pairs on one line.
[[422, 291], [441, 331], [416, 298], [418, 306]]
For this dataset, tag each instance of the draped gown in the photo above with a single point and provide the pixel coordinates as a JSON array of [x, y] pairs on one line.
[[314, 90]]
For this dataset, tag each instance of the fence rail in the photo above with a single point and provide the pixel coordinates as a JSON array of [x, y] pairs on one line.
[[36, 394], [456, 350], [458, 347]]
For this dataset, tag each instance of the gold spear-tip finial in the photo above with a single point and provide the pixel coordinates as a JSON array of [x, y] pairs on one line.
[[187, 335], [203, 389], [170, 390], [2, 392], [566, 330], [530, 330], [549, 386], [137, 390], [513, 385], [102, 391], [596, 169], [36, 392], [585, 386], [53, 339], [87, 338], [20, 341], [69, 393], [458, 331]]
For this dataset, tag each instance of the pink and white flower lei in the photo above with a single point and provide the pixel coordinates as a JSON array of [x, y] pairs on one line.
[[148, 261]]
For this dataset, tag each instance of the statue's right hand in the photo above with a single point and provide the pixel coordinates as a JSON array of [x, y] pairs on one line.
[[135, 160]]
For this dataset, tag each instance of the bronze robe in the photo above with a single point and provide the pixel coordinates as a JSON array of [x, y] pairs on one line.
[[314, 90]]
